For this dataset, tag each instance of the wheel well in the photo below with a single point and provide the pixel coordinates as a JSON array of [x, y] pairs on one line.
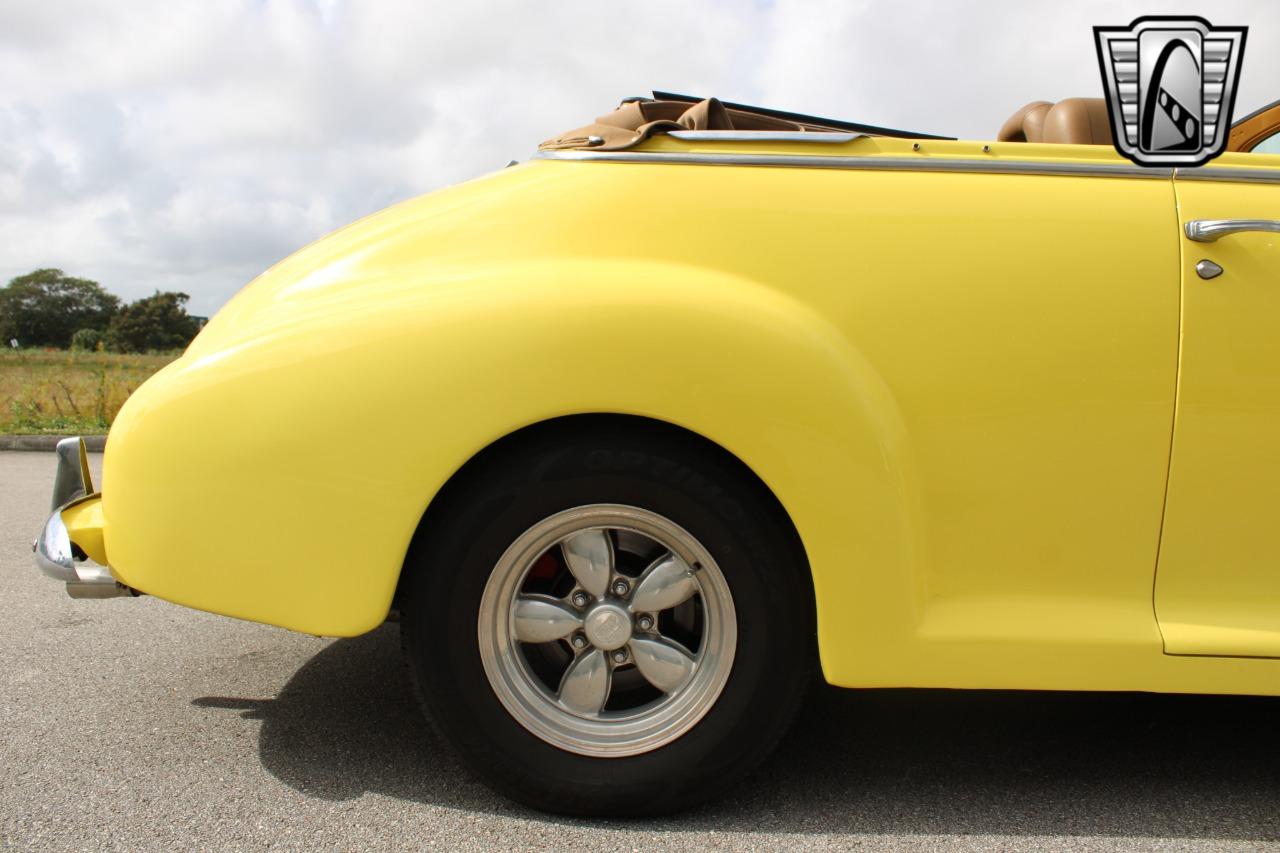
[[632, 426]]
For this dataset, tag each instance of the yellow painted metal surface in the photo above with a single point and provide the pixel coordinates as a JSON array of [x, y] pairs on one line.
[[959, 385], [1218, 583], [84, 525]]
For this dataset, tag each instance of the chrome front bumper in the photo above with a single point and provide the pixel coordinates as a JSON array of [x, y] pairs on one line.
[[56, 555]]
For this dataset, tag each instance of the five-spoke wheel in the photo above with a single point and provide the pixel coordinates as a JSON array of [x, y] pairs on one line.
[[608, 618], [607, 630]]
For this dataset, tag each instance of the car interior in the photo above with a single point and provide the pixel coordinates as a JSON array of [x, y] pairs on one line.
[[1072, 121]]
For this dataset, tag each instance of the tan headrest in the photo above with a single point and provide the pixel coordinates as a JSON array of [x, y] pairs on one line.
[[1078, 121], [1026, 125]]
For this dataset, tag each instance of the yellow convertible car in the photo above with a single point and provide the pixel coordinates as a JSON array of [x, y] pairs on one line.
[[704, 394]]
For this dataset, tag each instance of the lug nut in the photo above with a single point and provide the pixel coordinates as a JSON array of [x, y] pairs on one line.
[[645, 622], [580, 599], [621, 587], [578, 641], [619, 655]]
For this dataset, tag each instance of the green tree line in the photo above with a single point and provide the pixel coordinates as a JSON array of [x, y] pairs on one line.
[[48, 308]]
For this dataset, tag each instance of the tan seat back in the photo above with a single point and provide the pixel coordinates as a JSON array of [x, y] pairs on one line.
[[1026, 125], [1078, 121], [1074, 121]]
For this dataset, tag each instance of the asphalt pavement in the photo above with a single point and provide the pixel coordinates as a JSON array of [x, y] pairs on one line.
[[137, 724]]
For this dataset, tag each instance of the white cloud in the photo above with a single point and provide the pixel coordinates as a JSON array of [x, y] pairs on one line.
[[188, 145]]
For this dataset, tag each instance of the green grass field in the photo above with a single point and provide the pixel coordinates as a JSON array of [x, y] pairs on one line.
[[56, 391]]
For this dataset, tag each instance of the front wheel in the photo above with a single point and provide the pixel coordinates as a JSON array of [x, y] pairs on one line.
[[603, 627]]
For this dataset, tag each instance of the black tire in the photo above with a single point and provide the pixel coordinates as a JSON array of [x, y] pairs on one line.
[[694, 485]]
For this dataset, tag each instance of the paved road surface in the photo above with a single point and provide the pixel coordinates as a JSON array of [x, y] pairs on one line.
[[137, 724]]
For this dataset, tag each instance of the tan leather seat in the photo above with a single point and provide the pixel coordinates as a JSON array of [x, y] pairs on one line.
[[1078, 121], [1074, 121], [1026, 125]]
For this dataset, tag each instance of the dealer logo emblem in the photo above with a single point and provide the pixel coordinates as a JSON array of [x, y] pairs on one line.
[[1171, 85]]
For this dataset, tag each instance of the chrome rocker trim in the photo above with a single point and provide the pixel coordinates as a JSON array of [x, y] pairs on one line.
[[55, 555]]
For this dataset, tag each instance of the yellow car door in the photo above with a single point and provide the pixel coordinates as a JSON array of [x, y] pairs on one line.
[[1217, 588]]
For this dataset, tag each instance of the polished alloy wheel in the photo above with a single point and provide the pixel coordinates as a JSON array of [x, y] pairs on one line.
[[575, 618], [607, 630]]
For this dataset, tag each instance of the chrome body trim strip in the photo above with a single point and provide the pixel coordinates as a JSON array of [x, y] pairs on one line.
[[1211, 173], [899, 164], [764, 135]]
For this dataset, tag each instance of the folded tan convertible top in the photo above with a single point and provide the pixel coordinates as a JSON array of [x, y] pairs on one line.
[[637, 119]]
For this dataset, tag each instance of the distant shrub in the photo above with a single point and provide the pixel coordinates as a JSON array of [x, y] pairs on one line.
[[87, 339], [43, 308], [152, 324]]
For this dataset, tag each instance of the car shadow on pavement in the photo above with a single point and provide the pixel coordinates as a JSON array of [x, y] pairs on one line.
[[864, 761]]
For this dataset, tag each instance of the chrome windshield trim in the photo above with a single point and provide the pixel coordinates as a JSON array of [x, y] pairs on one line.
[[1219, 173], [764, 135], [899, 164]]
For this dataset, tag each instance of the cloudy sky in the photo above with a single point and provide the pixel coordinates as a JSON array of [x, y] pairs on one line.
[[162, 144]]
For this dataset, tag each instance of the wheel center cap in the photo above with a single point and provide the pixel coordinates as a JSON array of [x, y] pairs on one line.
[[607, 626]]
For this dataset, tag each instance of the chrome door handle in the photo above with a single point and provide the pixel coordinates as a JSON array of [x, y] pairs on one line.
[[1209, 230]]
